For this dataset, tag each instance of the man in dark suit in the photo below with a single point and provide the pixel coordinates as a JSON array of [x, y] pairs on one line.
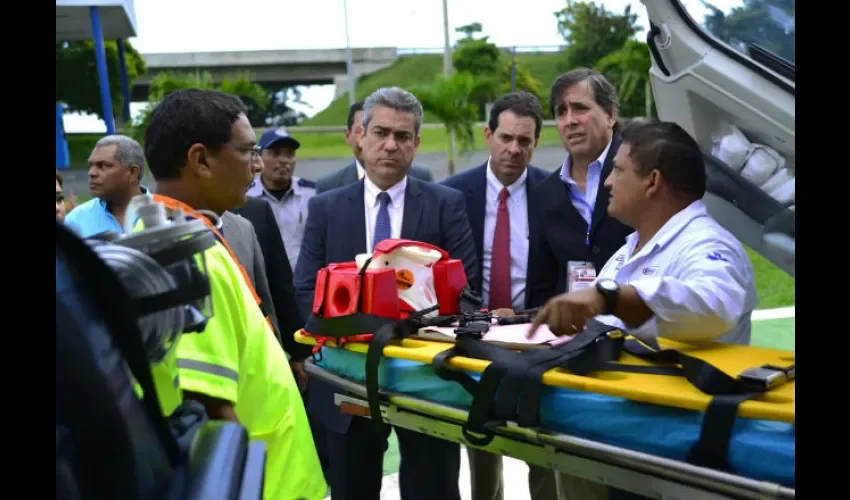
[[349, 221], [279, 275], [575, 233], [501, 216], [354, 171]]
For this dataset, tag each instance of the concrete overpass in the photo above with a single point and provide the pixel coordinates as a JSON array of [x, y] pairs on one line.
[[270, 68]]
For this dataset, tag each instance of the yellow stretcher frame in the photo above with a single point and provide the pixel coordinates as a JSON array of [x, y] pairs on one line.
[[776, 404], [640, 473]]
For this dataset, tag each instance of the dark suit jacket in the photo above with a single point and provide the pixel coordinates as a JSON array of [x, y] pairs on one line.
[[348, 175], [278, 272], [562, 232], [336, 232], [473, 184]]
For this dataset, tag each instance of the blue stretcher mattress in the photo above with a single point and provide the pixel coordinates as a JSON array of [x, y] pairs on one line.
[[760, 449]]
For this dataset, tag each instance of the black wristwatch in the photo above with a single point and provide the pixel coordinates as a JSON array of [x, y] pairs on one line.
[[610, 291]]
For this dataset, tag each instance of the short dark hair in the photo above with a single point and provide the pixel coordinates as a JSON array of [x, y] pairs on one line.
[[668, 148], [352, 110], [186, 117], [521, 104], [603, 91], [59, 178]]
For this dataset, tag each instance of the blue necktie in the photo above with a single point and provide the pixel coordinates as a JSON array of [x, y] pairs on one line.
[[382, 221]]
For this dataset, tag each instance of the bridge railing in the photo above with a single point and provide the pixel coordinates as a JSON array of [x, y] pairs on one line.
[[519, 48], [341, 128]]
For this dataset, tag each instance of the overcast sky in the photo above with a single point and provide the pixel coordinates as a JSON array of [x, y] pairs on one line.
[[227, 25]]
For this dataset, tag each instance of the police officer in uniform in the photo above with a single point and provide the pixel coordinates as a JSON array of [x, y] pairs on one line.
[[287, 194]]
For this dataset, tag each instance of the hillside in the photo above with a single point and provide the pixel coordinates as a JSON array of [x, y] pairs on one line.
[[418, 69]]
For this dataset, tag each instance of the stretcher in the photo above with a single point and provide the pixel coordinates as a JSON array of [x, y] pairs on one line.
[[631, 431]]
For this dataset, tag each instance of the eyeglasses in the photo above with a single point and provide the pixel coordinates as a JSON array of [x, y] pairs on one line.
[[253, 152]]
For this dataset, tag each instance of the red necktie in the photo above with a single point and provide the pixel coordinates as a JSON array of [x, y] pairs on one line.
[[500, 265]]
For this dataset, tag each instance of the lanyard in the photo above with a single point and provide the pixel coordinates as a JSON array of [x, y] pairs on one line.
[[590, 210]]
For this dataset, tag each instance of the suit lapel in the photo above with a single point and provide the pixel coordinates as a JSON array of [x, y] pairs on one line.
[[477, 193], [600, 208], [349, 175], [413, 207], [354, 215]]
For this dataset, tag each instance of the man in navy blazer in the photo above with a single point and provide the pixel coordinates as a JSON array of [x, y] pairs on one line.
[[348, 221], [355, 171], [503, 227]]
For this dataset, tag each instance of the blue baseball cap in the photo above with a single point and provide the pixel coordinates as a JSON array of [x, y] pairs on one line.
[[275, 136]]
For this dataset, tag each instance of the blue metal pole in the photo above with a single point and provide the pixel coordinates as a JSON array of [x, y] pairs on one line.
[[125, 80], [102, 75], [62, 160]]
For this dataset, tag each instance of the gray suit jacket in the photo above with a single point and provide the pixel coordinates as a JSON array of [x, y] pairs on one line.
[[242, 239], [348, 175]]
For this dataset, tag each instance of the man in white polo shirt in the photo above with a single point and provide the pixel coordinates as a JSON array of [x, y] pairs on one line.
[[680, 275]]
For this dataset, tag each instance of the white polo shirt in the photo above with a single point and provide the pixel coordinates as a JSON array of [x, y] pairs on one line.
[[695, 277]]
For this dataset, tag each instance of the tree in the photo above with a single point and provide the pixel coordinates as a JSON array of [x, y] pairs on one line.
[[451, 100], [629, 67], [592, 32], [769, 24], [477, 56], [76, 75], [252, 94], [280, 112], [524, 80], [469, 30]]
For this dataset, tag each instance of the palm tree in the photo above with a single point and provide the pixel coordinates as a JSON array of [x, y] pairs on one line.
[[452, 101], [629, 66]]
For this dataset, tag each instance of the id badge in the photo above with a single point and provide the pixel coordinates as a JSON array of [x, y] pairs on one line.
[[580, 275]]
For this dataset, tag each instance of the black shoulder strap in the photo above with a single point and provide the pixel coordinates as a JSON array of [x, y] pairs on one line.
[[113, 303]]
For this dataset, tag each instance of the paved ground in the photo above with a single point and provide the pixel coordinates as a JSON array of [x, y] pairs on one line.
[[549, 158], [771, 328]]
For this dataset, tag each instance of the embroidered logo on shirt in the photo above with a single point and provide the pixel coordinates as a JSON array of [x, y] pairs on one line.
[[648, 271], [619, 259], [716, 256]]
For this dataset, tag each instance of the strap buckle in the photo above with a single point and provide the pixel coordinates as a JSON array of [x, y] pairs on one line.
[[615, 334], [769, 376]]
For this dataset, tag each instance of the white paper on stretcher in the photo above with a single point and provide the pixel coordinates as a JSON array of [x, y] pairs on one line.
[[513, 336]]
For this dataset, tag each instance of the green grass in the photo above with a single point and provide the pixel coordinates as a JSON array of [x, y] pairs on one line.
[[774, 288], [422, 69]]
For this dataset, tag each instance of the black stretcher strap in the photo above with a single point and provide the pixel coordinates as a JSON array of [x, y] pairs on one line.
[[712, 448], [511, 386], [500, 395]]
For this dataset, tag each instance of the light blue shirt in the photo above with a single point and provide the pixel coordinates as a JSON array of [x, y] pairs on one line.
[[290, 212], [585, 201], [93, 218]]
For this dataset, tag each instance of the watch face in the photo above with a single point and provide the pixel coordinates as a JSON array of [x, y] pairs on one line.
[[608, 284]]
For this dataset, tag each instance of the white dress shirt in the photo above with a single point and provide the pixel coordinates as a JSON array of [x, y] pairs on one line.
[[361, 171], [395, 208], [695, 277], [518, 213]]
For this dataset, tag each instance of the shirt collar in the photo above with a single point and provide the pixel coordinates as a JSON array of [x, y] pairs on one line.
[[670, 229], [361, 172], [142, 188], [596, 164], [496, 184], [396, 192], [258, 188]]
